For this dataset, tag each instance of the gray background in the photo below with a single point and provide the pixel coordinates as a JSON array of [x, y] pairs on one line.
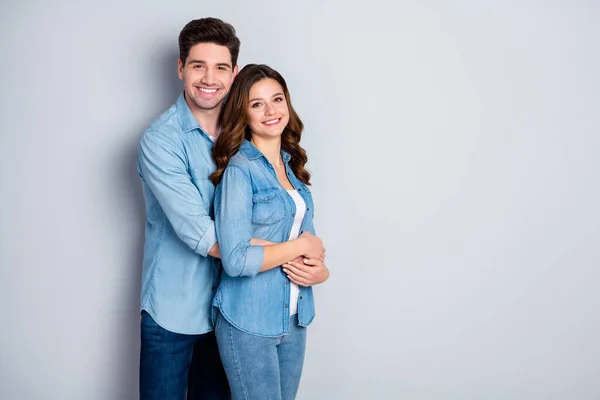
[[455, 157]]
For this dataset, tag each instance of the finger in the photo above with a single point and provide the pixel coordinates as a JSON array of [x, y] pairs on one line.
[[296, 279], [308, 268], [299, 282], [294, 263], [299, 269], [315, 262]]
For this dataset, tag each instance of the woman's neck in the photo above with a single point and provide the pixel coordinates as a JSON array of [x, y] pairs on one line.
[[270, 147]]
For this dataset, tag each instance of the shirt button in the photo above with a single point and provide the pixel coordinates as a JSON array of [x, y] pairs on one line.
[[299, 190], [267, 197], [286, 306], [287, 282], [214, 288], [300, 297], [293, 214]]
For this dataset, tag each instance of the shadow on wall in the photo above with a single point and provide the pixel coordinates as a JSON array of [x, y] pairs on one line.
[[127, 336]]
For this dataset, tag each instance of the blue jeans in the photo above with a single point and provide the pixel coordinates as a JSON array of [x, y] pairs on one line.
[[172, 363], [258, 367]]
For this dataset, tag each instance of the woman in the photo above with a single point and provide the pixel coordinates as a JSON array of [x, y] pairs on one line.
[[264, 301]]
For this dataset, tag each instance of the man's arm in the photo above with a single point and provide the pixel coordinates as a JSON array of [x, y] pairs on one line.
[[162, 166]]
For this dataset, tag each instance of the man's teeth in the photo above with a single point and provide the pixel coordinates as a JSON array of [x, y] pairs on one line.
[[272, 122], [209, 91]]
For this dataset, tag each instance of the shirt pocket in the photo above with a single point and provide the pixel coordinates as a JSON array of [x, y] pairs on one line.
[[267, 207]]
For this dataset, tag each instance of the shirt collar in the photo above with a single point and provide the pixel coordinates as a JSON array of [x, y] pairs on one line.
[[186, 118], [253, 153]]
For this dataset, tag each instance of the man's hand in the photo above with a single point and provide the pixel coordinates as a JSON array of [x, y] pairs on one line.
[[215, 251], [308, 272]]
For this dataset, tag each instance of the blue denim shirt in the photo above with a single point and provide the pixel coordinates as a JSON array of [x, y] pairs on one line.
[[250, 202], [178, 278]]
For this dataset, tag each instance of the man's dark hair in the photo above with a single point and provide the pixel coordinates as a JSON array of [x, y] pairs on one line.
[[208, 30]]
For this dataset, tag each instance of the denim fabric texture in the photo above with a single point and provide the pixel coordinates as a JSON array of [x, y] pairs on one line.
[[172, 363], [250, 202], [260, 368], [178, 278]]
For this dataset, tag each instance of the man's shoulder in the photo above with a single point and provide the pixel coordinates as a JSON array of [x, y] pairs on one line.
[[166, 126]]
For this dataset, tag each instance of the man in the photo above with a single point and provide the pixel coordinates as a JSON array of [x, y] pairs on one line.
[[179, 275], [180, 272]]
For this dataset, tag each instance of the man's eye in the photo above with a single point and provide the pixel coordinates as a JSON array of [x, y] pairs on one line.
[[198, 66]]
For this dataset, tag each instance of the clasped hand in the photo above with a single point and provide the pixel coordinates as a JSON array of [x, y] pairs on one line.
[[310, 269]]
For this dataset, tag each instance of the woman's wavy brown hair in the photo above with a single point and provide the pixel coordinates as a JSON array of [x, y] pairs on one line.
[[234, 123]]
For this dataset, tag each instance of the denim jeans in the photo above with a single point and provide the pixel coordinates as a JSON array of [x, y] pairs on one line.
[[258, 367], [172, 363]]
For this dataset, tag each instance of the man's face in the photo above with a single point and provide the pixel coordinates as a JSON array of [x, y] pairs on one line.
[[207, 75]]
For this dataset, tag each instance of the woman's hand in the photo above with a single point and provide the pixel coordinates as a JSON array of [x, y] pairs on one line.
[[313, 246], [308, 272]]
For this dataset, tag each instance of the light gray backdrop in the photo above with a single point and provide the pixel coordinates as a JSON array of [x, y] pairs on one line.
[[454, 147]]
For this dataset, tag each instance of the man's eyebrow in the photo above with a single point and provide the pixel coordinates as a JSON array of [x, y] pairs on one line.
[[204, 62], [258, 98]]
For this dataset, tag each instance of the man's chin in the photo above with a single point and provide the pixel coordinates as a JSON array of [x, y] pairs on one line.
[[208, 106]]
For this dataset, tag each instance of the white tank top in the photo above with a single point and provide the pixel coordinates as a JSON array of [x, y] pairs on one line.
[[300, 211]]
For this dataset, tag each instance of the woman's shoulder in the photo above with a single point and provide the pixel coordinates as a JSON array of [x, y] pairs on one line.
[[239, 160], [238, 163]]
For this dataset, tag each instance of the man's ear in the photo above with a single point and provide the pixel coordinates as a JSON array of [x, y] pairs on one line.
[[235, 72], [179, 68]]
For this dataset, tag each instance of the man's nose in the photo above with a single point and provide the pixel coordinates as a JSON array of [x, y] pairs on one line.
[[209, 77]]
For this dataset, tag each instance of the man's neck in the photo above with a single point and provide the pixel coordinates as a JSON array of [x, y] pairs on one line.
[[207, 119]]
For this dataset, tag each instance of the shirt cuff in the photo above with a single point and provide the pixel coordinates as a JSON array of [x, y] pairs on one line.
[[209, 239], [255, 257]]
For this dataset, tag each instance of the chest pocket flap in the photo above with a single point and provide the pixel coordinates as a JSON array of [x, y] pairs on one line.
[[267, 207]]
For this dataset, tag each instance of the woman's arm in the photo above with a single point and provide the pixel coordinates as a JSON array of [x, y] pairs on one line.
[[305, 245], [233, 218], [216, 251]]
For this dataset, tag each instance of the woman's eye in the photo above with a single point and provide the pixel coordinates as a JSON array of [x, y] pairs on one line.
[[279, 99], [255, 105]]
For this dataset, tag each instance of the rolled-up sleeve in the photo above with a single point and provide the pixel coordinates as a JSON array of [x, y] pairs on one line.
[[162, 166], [233, 219]]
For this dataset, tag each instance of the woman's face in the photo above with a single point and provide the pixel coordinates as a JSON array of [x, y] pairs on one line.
[[268, 112]]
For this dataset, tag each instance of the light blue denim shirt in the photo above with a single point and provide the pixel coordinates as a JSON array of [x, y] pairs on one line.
[[250, 202], [178, 278]]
